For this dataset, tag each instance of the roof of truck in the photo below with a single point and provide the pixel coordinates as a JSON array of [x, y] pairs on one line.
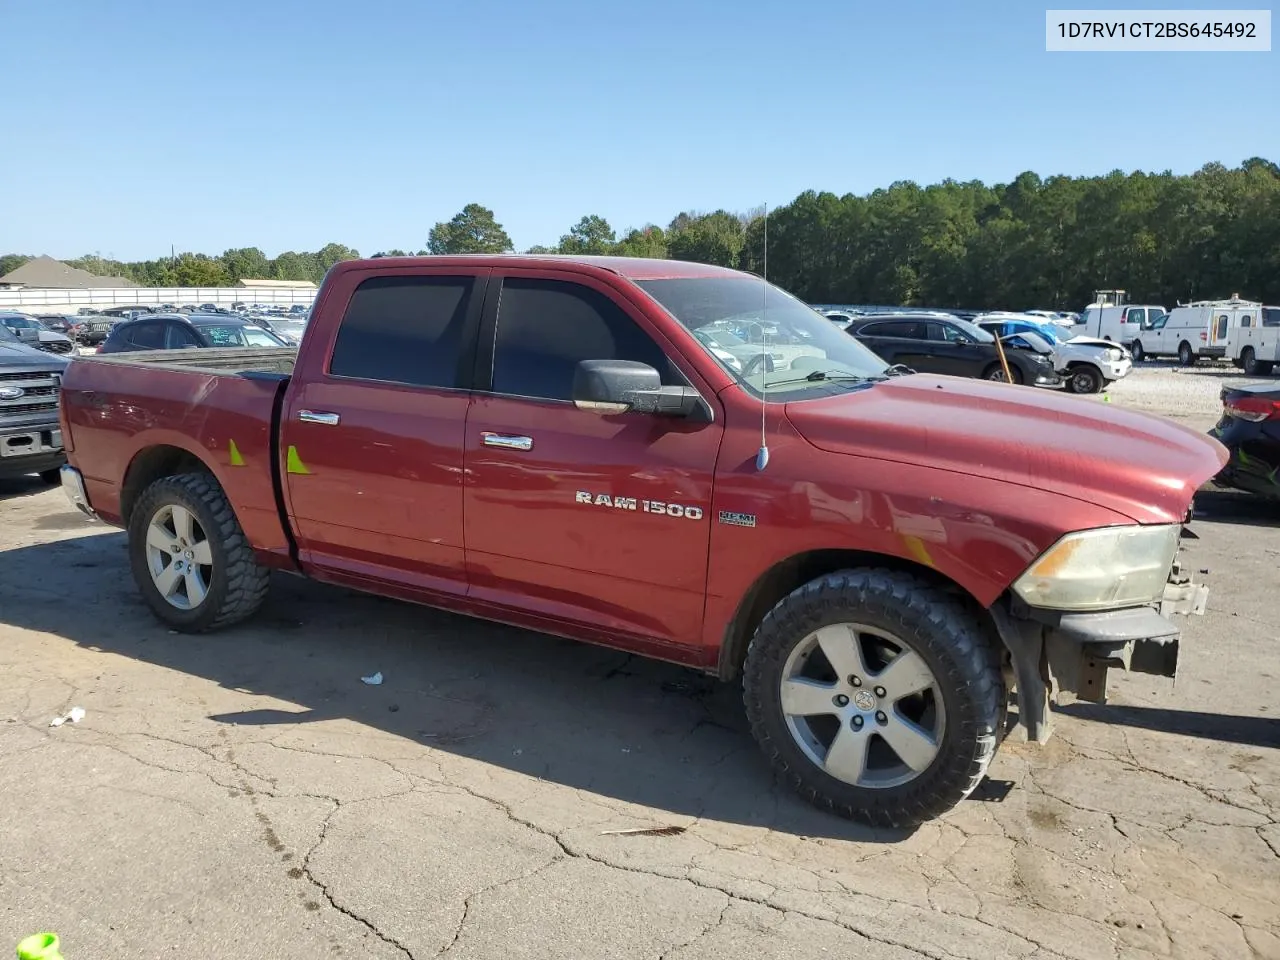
[[634, 268]]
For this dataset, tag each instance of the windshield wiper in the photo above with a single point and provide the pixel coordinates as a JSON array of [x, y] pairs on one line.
[[818, 376]]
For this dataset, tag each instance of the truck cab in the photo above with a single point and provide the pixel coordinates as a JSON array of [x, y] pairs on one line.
[[1253, 343]]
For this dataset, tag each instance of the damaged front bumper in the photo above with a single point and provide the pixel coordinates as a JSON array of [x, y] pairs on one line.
[[1063, 657]]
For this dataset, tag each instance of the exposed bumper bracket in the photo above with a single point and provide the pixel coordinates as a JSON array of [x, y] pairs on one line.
[[1182, 596], [73, 487]]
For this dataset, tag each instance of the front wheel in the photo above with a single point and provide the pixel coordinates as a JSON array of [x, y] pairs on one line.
[[875, 696], [996, 372], [189, 557], [1135, 348], [1084, 380]]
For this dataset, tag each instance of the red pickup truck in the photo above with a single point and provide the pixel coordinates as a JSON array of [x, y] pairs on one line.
[[677, 460]]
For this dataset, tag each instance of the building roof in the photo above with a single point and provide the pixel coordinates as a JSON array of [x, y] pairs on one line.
[[48, 273], [276, 284]]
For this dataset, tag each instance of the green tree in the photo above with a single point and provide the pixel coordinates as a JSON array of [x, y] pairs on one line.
[[590, 235], [246, 262], [12, 261], [647, 241], [473, 230], [332, 253], [199, 270]]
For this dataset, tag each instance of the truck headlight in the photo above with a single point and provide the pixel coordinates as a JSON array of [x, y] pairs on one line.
[[1102, 569]]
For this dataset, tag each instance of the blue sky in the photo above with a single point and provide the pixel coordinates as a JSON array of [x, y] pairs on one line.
[[134, 125]]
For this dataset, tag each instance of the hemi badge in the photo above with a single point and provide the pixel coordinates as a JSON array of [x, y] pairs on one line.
[[737, 519]]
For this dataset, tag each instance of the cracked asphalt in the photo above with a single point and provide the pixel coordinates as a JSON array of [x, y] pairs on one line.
[[244, 794]]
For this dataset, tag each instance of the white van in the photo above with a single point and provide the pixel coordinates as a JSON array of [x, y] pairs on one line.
[[1117, 323], [1254, 343], [1194, 330]]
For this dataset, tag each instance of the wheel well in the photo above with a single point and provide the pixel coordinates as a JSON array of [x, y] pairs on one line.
[[152, 464], [795, 571]]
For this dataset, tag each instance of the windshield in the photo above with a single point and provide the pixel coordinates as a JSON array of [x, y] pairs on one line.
[[1038, 343], [234, 335], [764, 337], [7, 335], [21, 323], [973, 330]]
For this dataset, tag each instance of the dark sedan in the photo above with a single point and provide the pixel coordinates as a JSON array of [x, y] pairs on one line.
[[183, 332], [933, 343], [1250, 430]]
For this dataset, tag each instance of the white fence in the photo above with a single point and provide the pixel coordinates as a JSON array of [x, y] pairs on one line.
[[71, 301]]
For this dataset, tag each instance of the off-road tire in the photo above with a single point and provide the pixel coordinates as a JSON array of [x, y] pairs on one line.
[[1139, 354], [1084, 379], [993, 373], [52, 477], [964, 660], [1186, 356], [238, 584]]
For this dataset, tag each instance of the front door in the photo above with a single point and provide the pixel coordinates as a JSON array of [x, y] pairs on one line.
[[372, 445], [575, 515]]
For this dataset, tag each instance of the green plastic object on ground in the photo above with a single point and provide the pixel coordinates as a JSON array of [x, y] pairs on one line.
[[39, 946]]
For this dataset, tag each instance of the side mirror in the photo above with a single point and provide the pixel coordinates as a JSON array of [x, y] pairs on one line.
[[622, 386]]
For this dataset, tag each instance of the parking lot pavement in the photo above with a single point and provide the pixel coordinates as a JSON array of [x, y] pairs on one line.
[[245, 794]]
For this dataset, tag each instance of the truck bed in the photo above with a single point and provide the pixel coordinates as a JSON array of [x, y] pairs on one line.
[[219, 359], [125, 413]]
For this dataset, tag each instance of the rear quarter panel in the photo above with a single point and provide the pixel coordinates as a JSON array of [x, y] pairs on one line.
[[113, 412]]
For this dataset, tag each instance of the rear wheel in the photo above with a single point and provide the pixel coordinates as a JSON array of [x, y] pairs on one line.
[[875, 695], [1251, 365], [1135, 348], [189, 557], [996, 372], [1084, 379], [1186, 356]]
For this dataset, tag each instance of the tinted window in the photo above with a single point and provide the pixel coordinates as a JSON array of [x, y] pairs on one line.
[[545, 327], [149, 336], [179, 337], [1246, 320], [949, 333], [404, 330], [907, 329]]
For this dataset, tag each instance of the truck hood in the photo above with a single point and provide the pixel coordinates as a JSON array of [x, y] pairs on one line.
[[1144, 467], [18, 356]]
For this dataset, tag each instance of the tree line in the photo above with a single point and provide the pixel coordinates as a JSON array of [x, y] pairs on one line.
[[1032, 243]]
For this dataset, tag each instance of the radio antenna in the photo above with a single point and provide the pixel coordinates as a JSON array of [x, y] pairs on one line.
[[762, 456]]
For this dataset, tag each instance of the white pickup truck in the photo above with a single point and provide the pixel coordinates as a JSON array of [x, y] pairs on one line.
[[1255, 346], [1086, 364]]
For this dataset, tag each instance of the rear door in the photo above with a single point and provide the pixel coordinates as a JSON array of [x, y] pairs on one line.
[[372, 443], [900, 341], [1217, 335], [572, 515]]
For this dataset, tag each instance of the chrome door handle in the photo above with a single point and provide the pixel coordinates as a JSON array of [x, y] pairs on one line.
[[319, 416], [506, 442]]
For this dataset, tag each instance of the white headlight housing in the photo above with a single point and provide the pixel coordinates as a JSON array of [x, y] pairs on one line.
[[1102, 569]]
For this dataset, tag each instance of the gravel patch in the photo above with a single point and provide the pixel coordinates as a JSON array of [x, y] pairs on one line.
[[1189, 395]]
